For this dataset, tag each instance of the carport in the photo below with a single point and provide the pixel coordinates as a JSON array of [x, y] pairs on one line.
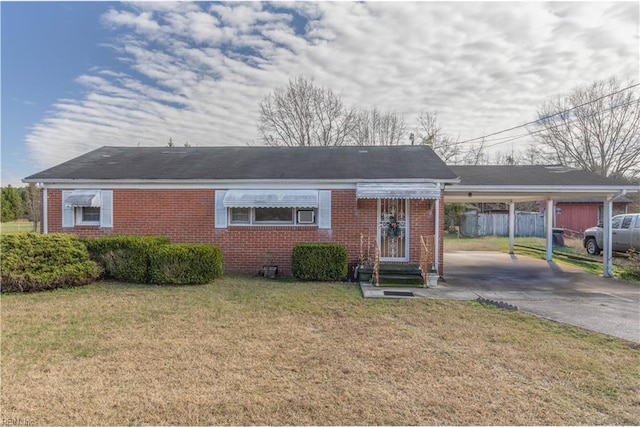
[[525, 183]]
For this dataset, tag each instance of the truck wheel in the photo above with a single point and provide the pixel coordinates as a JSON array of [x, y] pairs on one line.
[[592, 247]]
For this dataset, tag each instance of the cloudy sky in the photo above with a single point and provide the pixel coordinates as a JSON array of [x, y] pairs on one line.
[[77, 76]]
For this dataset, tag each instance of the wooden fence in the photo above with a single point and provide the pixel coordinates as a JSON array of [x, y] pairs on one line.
[[476, 224]]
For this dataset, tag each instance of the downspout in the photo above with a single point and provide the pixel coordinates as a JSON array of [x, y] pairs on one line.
[[436, 235], [45, 211]]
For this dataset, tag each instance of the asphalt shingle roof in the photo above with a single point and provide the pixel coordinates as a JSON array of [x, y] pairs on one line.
[[224, 163], [531, 175]]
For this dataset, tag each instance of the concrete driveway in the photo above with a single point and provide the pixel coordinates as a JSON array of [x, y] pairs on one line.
[[553, 291]]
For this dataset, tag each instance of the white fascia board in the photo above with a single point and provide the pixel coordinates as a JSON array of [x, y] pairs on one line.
[[475, 194], [187, 184], [541, 189], [220, 184]]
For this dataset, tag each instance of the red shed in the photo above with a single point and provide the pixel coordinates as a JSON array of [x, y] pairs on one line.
[[576, 215]]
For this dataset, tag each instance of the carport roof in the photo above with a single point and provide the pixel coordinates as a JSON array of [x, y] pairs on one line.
[[530, 175], [530, 183]]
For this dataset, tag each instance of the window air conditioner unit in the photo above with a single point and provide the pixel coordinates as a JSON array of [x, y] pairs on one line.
[[306, 217]]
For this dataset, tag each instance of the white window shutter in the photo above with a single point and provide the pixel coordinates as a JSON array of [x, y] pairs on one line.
[[220, 210], [67, 211], [324, 209], [106, 209]]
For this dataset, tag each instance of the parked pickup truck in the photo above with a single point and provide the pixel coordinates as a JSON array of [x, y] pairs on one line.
[[625, 230]]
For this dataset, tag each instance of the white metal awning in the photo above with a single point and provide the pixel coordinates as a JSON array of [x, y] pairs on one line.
[[83, 198], [271, 199], [393, 190]]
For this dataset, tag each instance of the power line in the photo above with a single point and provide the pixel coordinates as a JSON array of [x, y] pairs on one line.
[[497, 141], [548, 117], [513, 138]]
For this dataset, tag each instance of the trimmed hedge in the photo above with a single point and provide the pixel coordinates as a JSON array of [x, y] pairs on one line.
[[319, 261], [185, 263], [36, 262], [124, 258]]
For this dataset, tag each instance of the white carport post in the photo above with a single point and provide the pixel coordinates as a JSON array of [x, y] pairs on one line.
[[607, 254], [512, 226], [550, 213]]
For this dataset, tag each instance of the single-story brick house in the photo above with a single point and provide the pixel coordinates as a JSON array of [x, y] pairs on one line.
[[255, 203]]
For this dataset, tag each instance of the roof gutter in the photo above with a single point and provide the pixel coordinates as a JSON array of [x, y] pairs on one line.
[[540, 189], [211, 183]]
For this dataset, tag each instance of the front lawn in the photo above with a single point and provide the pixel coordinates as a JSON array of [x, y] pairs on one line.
[[20, 226], [247, 351]]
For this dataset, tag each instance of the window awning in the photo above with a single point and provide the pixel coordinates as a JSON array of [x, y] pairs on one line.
[[83, 198], [271, 199], [392, 190]]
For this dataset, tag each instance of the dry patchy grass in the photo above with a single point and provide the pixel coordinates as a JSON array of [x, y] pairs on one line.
[[453, 243], [248, 351]]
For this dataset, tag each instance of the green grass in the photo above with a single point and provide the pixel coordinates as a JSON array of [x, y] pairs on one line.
[[246, 351], [21, 226]]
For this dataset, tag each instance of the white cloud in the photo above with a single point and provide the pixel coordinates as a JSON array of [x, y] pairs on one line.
[[195, 71]]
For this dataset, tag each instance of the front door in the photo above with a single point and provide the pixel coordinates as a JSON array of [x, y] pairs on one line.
[[393, 233]]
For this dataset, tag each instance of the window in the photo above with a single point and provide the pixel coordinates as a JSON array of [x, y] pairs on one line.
[[615, 222], [281, 215], [87, 207], [89, 215], [626, 222], [271, 216], [241, 216]]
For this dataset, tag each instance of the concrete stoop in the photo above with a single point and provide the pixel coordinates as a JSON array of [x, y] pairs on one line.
[[370, 291]]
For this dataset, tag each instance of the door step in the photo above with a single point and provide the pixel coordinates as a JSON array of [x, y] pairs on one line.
[[394, 275]]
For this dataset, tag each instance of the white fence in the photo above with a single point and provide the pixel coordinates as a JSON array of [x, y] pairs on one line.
[[476, 224]]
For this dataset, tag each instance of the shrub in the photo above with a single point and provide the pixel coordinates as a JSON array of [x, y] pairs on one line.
[[124, 258], [36, 262], [185, 263], [631, 268], [319, 261]]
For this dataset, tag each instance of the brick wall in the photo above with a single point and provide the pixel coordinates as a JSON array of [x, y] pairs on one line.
[[187, 215]]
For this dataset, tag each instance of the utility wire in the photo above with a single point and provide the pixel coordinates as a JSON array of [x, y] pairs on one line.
[[552, 115], [504, 139], [513, 138]]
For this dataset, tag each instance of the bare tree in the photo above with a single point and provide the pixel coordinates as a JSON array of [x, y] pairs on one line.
[[596, 128], [429, 133], [302, 114], [374, 127], [31, 200], [475, 154], [534, 155]]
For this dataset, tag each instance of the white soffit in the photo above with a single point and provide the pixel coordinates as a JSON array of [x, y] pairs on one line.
[[271, 199], [393, 190]]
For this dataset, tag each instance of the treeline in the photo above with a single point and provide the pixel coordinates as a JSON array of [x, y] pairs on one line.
[[20, 203]]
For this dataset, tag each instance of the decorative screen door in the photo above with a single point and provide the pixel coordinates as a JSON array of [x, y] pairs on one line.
[[393, 234]]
